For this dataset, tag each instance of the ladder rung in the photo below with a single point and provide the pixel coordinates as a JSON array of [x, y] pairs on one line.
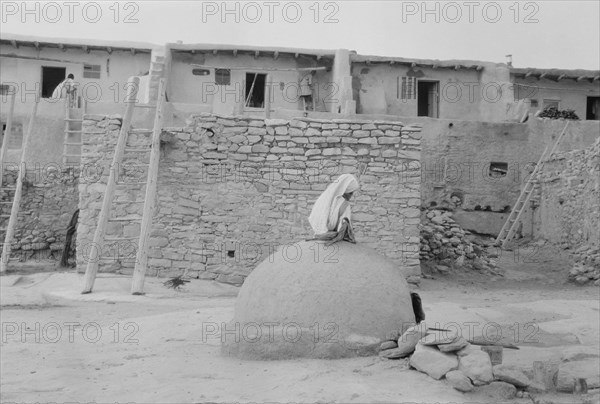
[[73, 120], [6, 202], [138, 150], [74, 131], [145, 105], [73, 144], [131, 183], [4, 215], [120, 238], [125, 219], [72, 155], [140, 130]]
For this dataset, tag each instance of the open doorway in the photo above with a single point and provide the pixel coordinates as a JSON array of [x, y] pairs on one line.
[[592, 112], [255, 90], [427, 98], [52, 77]]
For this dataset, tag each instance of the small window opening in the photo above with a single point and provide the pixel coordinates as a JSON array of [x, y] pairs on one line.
[[231, 253], [498, 169], [477, 207], [51, 78], [222, 77], [91, 71]]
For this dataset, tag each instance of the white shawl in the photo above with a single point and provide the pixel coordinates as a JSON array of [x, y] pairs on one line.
[[326, 211]]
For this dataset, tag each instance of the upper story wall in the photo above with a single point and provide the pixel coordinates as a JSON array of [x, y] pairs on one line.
[[185, 87], [462, 93], [22, 67], [568, 93]]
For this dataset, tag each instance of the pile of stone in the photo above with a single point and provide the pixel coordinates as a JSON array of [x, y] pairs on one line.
[[586, 268], [470, 368], [447, 245]]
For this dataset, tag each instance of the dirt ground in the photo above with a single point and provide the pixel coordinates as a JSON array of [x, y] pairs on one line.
[[109, 346]]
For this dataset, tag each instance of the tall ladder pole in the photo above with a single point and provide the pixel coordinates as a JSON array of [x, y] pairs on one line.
[[92, 266], [510, 226], [14, 212], [141, 262]]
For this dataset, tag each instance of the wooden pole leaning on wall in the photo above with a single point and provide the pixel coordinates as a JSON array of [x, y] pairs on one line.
[[92, 266], [14, 212], [268, 92], [141, 261], [7, 134]]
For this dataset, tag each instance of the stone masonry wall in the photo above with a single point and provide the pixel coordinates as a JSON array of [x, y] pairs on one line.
[[570, 205], [232, 190], [48, 201]]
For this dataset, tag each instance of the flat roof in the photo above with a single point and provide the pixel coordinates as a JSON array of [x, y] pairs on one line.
[[433, 63], [556, 74], [254, 50]]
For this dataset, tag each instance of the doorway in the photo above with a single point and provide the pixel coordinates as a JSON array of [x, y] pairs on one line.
[[52, 77], [255, 90], [428, 98], [592, 111]]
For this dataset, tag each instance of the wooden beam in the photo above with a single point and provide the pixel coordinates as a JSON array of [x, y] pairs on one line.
[[479, 68], [37, 45], [235, 52], [319, 57], [85, 48], [413, 65], [109, 50], [542, 76], [141, 262], [92, 265], [435, 66], [14, 44], [256, 54], [133, 51], [14, 213], [528, 74], [193, 51], [7, 132], [596, 78], [456, 67], [580, 78], [562, 76], [215, 51], [268, 69], [275, 55], [296, 55], [392, 62]]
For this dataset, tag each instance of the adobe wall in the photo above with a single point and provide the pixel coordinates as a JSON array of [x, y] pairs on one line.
[[231, 190]]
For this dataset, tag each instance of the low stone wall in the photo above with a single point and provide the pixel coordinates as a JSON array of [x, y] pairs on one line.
[[570, 207], [49, 199], [232, 190]]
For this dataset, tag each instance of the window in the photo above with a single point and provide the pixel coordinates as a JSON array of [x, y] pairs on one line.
[[408, 88], [534, 102], [498, 169], [91, 71], [200, 72], [51, 78], [5, 89], [222, 77], [593, 108], [551, 103], [255, 90]]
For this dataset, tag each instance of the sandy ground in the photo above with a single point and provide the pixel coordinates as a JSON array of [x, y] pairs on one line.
[[108, 346]]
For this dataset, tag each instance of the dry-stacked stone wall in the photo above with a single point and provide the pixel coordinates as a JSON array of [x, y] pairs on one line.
[[48, 200], [570, 208], [233, 190]]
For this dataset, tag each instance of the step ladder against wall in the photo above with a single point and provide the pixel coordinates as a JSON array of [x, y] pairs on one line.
[[130, 189], [73, 139], [10, 192], [512, 223]]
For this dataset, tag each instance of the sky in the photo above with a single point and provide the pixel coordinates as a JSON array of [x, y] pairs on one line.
[[545, 34]]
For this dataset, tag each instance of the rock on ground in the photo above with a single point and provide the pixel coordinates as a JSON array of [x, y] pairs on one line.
[[587, 369], [388, 345], [459, 381], [498, 390], [456, 345], [510, 375], [433, 362], [409, 340], [477, 366]]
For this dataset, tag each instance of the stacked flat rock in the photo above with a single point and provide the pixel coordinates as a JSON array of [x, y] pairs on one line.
[[464, 366], [586, 268], [447, 245]]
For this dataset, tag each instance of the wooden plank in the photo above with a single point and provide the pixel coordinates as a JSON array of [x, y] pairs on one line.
[[6, 138], [92, 265], [141, 262], [14, 212], [268, 69]]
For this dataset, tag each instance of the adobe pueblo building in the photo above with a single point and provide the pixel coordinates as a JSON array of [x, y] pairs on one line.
[[203, 159]]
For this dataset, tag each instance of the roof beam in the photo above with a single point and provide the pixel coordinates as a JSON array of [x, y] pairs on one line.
[[275, 55], [542, 75], [133, 51], [456, 67], [109, 50], [235, 51], [392, 62], [435, 66], [562, 76], [296, 55], [256, 54], [215, 51], [319, 57], [479, 68], [413, 64], [37, 45], [62, 47], [14, 44], [85, 49], [580, 78], [596, 78]]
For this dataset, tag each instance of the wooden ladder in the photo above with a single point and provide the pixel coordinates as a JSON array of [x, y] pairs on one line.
[[73, 134], [511, 224], [122, 149], [14, 201]]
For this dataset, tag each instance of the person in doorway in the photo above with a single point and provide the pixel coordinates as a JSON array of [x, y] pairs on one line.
[[306, 90], [66, 89], [330, 216]]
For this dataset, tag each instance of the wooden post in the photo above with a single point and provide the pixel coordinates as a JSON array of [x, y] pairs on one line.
[[14, 212], [7, 133], [92, 265], [268, 97], [141, 262]]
